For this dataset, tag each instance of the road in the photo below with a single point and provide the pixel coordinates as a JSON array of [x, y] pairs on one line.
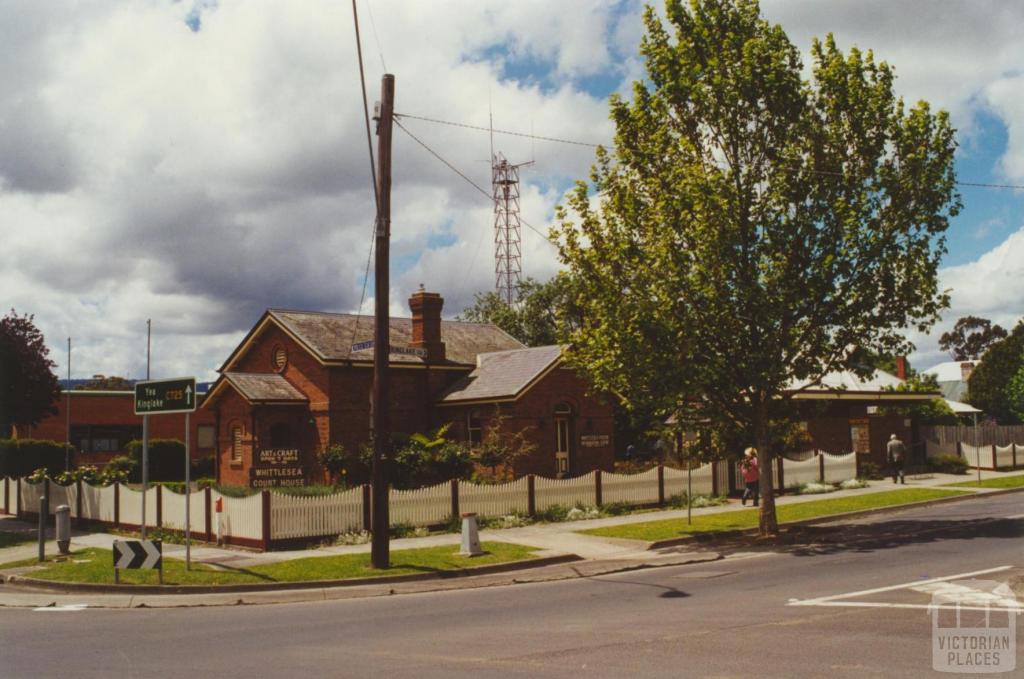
[[753, 614]]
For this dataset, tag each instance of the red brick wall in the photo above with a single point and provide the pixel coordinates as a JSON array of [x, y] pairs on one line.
[[99, 408], [534, 413], [233, 411]]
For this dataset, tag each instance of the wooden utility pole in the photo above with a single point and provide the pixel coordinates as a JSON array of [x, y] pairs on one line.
[[379, 553]]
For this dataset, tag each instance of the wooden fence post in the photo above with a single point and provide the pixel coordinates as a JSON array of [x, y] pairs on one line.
[[455, 498], [17, 498], [266, 520], [159, 506], [531, 496], [597, 487], [661, 485], [208, 520], [995, 461], [778, 473], [117, 504], [821, 466], [7, 495], [78, 502], [366, 507], [1013, 454]]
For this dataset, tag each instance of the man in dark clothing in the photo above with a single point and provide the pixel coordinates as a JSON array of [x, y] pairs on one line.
[[896, 453]]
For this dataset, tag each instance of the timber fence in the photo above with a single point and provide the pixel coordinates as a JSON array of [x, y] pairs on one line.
[[989, 447], [270, 519]]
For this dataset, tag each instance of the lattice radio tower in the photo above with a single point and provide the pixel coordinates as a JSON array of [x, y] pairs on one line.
[[508, 255]]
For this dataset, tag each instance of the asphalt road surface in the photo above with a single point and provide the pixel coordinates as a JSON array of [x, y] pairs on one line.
[[843, 600]]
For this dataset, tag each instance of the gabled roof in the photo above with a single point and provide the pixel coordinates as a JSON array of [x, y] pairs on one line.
[[258, 388], [949, 371], [845, 384], [504, 375], [329, 337]]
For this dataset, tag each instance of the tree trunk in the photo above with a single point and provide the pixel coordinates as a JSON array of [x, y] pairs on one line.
[[768, 524]]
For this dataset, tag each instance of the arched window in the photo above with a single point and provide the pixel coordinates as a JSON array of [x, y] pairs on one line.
[[236, 443], [562, 414]]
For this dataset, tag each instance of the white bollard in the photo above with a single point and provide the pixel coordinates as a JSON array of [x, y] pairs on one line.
[[63, 519], [470, 538]]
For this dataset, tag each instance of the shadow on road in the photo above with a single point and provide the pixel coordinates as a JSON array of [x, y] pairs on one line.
[[861, 538]]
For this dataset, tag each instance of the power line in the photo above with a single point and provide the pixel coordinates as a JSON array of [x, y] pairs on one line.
[[373, 27], [1013, 187], [457, 171]]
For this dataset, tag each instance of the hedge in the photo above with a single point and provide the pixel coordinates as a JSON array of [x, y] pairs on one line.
[[21, 457], [166, 460]]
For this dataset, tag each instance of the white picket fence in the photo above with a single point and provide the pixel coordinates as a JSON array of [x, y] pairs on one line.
[[297, 517], [1005, 456], [263, 518]]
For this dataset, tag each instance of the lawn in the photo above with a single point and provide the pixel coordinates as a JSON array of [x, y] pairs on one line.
[[741, 519], [96, 565], [1001, 482], [10, 539]]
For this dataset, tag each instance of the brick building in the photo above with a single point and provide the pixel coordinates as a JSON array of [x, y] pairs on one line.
[[300, 381], [103, 422]]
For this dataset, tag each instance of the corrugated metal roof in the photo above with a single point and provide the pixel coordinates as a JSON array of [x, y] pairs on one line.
[[845, 380], [503, 374], [950, 371], [264, 387], [331, 336]]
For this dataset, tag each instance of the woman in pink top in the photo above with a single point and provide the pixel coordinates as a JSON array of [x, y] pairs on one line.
[[748, 465]]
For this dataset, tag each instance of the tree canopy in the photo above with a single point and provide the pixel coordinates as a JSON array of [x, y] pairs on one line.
[[544, 313], [996, 384], [751, 231], [28, 387], [970, 337]]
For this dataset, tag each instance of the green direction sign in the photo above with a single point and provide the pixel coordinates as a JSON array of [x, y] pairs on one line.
[[165, 396]]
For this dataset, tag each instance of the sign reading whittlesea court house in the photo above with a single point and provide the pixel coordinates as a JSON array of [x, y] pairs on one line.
[[176, 395]]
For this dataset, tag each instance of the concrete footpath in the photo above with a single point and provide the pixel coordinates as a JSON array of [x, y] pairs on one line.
[[597, 556]]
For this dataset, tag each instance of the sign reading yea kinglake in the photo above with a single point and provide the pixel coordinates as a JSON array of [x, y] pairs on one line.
[[177, 395]]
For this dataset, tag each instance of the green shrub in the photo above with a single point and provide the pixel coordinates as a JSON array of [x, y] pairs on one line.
[[616, 508], [166, 460], [307, 491], [553, 514], [235, 491], [871, 471], [20, 457], [947, 464]]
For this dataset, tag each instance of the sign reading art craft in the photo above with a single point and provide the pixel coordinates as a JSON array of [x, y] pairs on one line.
[[278, 456]]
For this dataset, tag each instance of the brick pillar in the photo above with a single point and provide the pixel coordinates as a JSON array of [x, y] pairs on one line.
[[367, 518], [597, 487], [159, 506], [266, 520], [117, 504], [208, 520], [531, 496], [661, 485], [455, 498]]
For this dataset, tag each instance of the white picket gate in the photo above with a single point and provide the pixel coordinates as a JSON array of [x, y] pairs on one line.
[[798, 472], [422, 506], [839, 468], [1004, 456], [298, 517]]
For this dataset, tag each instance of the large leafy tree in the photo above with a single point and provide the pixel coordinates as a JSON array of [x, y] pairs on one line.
[[543, 314], [996, 384], [753, 231], [28, 387], [970, 337]]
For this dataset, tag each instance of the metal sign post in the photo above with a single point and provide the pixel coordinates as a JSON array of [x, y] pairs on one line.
[[176, 395], [188, 494]]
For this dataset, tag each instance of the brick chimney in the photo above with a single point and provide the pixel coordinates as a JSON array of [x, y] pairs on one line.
[[426, 323], [901, 367], [966, 368]]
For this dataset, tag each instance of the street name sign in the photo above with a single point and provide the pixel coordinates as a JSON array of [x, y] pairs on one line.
[[157, 397]]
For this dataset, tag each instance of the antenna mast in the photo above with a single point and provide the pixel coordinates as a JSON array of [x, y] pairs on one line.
[[508, 256]]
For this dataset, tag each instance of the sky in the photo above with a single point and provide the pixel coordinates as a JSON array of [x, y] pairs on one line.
[[197, 162]]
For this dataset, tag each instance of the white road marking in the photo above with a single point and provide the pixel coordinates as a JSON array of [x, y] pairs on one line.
[[958, 593], [924, 607], [61, 609], [864, 592]]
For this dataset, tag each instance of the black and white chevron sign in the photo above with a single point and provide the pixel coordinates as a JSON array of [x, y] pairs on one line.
[[137, 554]]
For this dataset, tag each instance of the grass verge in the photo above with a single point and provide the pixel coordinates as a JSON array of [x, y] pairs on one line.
[[742, 519], [96, 566], [1001, 482], [8, 539]]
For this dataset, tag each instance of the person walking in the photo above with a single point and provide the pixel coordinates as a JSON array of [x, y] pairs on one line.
[[896, 454], [751, 476]]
